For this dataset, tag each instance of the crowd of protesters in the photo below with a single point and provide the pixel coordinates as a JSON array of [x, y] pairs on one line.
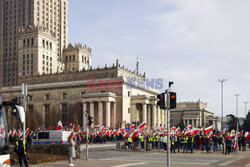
[[180, 141]]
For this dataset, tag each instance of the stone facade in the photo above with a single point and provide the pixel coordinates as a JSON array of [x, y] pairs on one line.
[[52, 14], [37, 51], [108, 97], [195, 114], [77, 58]]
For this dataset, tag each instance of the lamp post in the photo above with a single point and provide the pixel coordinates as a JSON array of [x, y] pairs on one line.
[[222, 80], [245, 102], [237, 95]]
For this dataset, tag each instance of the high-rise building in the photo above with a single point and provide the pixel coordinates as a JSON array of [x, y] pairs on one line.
[[16, 14]]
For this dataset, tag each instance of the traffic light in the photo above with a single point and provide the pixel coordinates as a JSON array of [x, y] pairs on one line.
[[90, 120], [172, 100], [161, 101]]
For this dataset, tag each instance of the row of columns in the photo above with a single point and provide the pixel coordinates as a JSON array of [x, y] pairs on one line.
[[158, 115], [100, 112], [192, 122]]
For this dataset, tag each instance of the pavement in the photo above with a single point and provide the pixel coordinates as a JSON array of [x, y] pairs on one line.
[[105, 155]]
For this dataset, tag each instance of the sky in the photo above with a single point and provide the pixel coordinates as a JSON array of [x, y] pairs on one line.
[[190, 42]]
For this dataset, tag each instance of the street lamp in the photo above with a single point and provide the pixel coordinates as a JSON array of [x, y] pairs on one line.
[[222, 80], [245, 102], [237, 95]]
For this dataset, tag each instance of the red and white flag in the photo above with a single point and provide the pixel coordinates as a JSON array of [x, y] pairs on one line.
[[195, 130], [96, 126], [59, 125], [210, 135], [189, 126], [247, 135], [79, 126], [142, 125], [27, 131], [132, 126], [133, 134], [125, 135], [119, 132], [208, 129], [235, 143]]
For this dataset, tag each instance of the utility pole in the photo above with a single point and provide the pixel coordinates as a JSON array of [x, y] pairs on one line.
[[237, 95], [24, 93], [222, 81], [87, 138], [245, 102], [168, 122]]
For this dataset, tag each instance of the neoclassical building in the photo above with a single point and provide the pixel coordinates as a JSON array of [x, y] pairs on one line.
[[194, 113], [114, 96]]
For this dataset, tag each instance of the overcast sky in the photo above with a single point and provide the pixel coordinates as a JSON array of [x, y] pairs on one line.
[[190, 42]]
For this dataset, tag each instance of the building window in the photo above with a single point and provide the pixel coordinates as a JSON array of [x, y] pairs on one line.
[[64, 112], [30, 98], [74, 58], [32, 41], [128, 110], [46, 97], [128, 93], [64, 95], [66, 58]]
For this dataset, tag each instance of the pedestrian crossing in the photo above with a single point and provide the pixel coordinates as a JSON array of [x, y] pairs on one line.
[[236, 162]]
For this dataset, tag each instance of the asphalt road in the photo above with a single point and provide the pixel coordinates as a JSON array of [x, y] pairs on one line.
[[106, 156]]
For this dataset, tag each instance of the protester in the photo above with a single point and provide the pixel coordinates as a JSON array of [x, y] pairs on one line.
[[72, 153]]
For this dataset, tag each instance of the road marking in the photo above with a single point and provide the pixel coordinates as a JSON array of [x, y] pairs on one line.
[[248, 165], [126, 165], [191, 163], [227, 163]]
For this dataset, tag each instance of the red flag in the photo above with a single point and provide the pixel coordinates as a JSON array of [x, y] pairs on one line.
[[208, 129], [189, 126], [142, 125], [195, 130], [78, 128]]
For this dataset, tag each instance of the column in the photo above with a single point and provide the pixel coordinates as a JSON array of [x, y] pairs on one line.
[[162, 118], [133, 113], [107, 114], [192, 122], [144, 113], [154, 116], [159, 116], [149, 117], [91, 112], [114, 115], [100, 114]]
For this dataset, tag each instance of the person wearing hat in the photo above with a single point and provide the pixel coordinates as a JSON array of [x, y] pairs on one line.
[[21, 150]]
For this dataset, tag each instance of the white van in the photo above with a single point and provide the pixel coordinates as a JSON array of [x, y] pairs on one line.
[[51, 137]]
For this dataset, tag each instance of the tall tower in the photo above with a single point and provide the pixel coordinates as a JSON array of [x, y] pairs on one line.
[[14, 14]]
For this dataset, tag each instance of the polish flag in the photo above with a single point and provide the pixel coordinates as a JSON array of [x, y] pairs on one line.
[[247, 135], [189, 126], [132, 126], [208, 129], [210, 135], [188, 132], [142, 125], [59, 125], [79, 126], [114, 132], [119, 132], [195, 130], [125, 135], [102, 128], [96, 126], [134, 134], [235, 143], [178, 129], [71, 125], [231, 135], [27, 131]]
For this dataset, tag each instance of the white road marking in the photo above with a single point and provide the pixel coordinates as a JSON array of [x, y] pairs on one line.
[[191, 163], [133, 164], [227, 163]]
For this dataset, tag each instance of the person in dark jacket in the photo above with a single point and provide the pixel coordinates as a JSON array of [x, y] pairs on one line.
[[21, 150], [228, 143]]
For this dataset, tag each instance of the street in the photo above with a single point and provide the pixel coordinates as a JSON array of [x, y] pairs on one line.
[[105, 155]]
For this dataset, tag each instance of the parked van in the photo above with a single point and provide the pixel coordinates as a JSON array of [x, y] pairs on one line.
[[51, 137]]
